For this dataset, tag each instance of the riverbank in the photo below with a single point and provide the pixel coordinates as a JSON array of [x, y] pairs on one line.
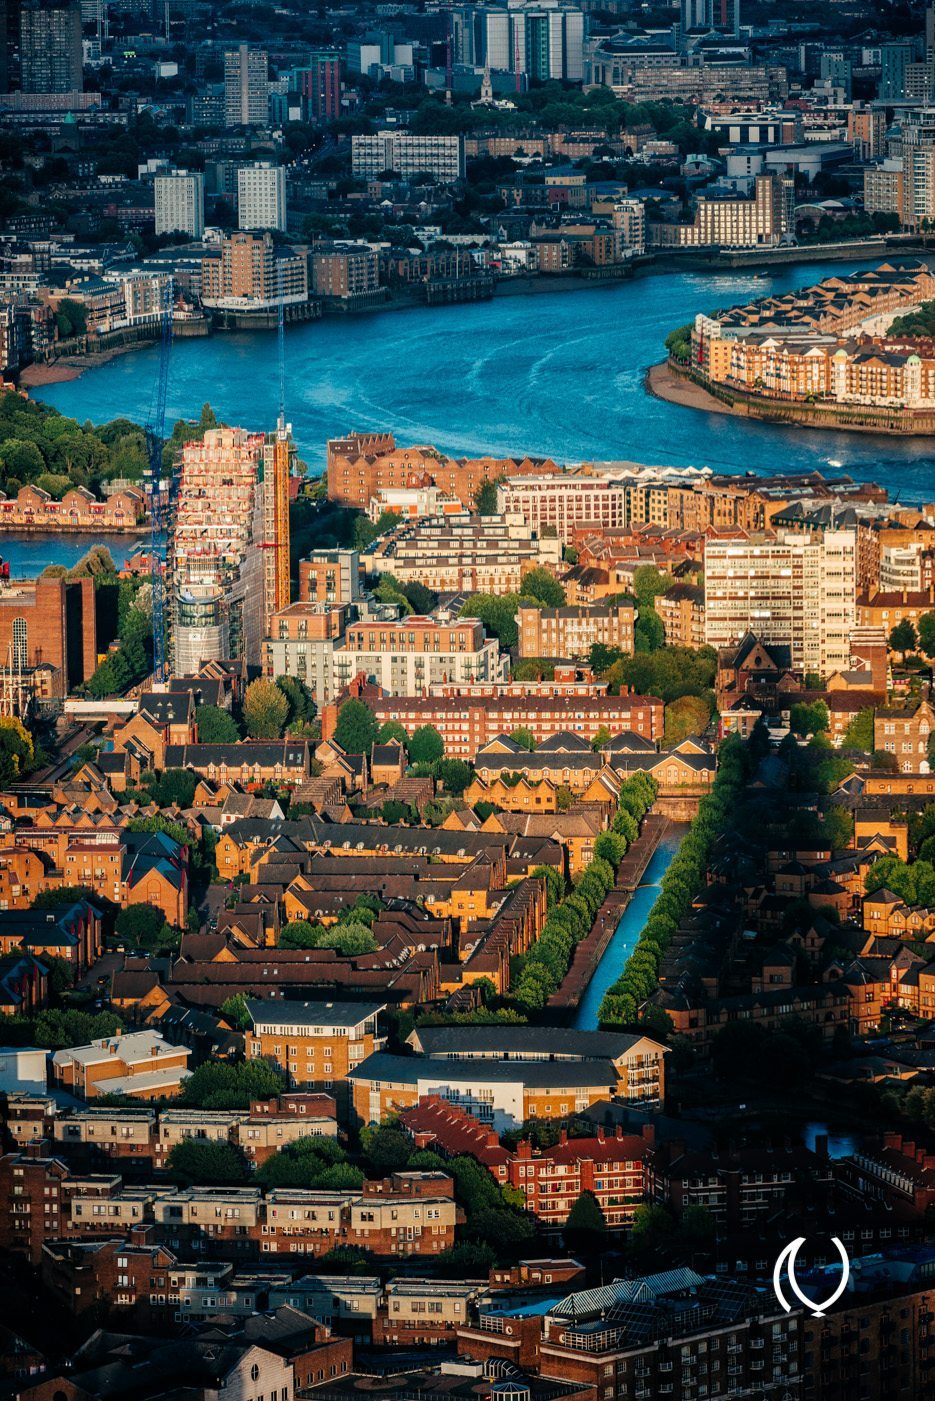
[[71, 367], [664, 381]]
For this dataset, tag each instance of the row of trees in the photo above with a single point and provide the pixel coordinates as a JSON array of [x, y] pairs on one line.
[[570, 918], [639, 978], [41, 447]]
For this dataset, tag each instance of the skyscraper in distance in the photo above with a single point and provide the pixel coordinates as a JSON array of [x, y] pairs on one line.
[[50, 46], [246, 86]]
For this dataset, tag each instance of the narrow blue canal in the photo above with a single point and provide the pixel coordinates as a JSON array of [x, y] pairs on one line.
[[628, 930]]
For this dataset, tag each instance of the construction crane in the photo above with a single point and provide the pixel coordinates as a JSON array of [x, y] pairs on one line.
[[159, 489]]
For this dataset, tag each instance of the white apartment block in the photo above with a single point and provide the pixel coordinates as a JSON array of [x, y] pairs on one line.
[[261, 196], [440, 156], [793, 590], [180, 203], [565, 502]]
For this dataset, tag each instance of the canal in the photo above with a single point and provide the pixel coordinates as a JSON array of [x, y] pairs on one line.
[[629, 928]]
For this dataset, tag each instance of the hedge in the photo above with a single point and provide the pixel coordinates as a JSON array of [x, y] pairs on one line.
[[571, 919], [639, 979]]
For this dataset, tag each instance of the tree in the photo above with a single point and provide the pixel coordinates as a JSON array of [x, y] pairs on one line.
[[356, 729], [206, 1164], [386, 1147], [541, 585], [649, 634], [927, 634], [454, 775], [585, 1227], [498, 614], [235, 1013], [524, 738], [224, 1085], [142, 926], [426, 745], [265, 709], [809, 718], [216, 726], [859, 733], [689, 715], [903, 637], [485, 499], [299, 700], [392, 729], [174, 788]]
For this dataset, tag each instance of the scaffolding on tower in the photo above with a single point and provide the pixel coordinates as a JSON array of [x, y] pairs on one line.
[[159, 489]]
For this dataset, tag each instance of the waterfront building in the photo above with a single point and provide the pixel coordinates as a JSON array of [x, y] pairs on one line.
[[792, 590], [362, 464], [230, 545], [261, 196], [472, 554], [442, 157], [906, 734], [572, 632], [50, 52], [180, 203], [682, 610], [250, 273], [345, 270], [315, 1044], [50, 622], [727, 221], [246, 87]]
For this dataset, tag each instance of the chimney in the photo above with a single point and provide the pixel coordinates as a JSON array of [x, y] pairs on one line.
[[600, 1133], [563, 1136]]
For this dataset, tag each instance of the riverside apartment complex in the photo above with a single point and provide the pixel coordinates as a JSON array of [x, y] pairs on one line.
[[230, 544]]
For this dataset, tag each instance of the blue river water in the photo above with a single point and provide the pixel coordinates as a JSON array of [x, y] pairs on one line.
[[559, 374], [628, 930]]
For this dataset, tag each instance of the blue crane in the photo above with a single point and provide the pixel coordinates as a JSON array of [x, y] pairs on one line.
[[159, 490]]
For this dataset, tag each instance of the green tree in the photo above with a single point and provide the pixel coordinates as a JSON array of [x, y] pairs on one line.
[[201, 1164], [426, 745], [523, 737], [454, 775], [927, 634], [392, 729], [689, 715], [143, 926], [809, 718], [265, 709], [498, 614], [585, 1228], [386, 1147], [859, 733], [485, 499], [356, 729], [235, 1013], [541, 585], [216, 726], [903, 637], [299, 700], [226, 1085]]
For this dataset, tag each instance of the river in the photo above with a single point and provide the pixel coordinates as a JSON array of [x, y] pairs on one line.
[[28, 555], [558, 374], [629, 929]]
